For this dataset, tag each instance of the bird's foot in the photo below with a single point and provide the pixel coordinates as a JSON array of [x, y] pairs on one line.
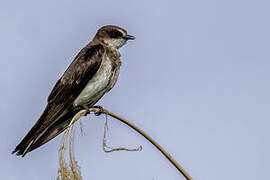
[[100, 110]]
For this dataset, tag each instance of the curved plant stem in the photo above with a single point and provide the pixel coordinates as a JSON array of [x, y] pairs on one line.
[[167, 155], [109, 149]]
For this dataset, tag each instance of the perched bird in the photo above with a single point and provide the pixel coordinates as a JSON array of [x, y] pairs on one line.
[[93, 72]]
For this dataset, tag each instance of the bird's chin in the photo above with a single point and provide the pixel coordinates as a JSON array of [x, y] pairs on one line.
[[116, 44], [121, 45]]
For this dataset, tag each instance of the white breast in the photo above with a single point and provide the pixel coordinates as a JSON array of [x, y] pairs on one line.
[[97, 85]]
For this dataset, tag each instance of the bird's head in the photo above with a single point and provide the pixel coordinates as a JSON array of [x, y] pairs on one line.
[[113, 36]]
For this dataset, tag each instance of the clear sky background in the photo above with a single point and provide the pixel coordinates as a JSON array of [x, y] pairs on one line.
[[196, 79]]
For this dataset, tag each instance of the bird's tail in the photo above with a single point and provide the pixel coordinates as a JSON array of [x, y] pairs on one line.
[[23, 147], [58, 127], [31, 141]]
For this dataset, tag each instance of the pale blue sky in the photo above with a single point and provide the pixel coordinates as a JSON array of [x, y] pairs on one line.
[[196, 79]]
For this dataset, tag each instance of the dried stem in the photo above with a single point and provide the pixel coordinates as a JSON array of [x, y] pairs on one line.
[[71, 171], [110, 149], [97, 110]]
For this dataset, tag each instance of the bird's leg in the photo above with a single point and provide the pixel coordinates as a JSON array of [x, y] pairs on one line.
[[100, 110]]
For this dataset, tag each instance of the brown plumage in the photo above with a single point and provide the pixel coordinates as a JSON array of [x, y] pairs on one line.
[[92, 73]]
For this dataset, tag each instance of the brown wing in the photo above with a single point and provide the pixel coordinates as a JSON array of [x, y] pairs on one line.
[[67, 88]]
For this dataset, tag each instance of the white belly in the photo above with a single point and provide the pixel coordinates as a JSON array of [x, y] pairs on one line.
[[96, 86]]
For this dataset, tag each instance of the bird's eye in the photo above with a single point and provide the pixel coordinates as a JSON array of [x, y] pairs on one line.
[[115, 34]]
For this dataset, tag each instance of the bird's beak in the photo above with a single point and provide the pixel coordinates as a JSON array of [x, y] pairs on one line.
[[129, 37]]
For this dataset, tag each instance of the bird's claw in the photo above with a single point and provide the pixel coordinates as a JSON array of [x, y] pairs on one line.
[[100, 110]]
